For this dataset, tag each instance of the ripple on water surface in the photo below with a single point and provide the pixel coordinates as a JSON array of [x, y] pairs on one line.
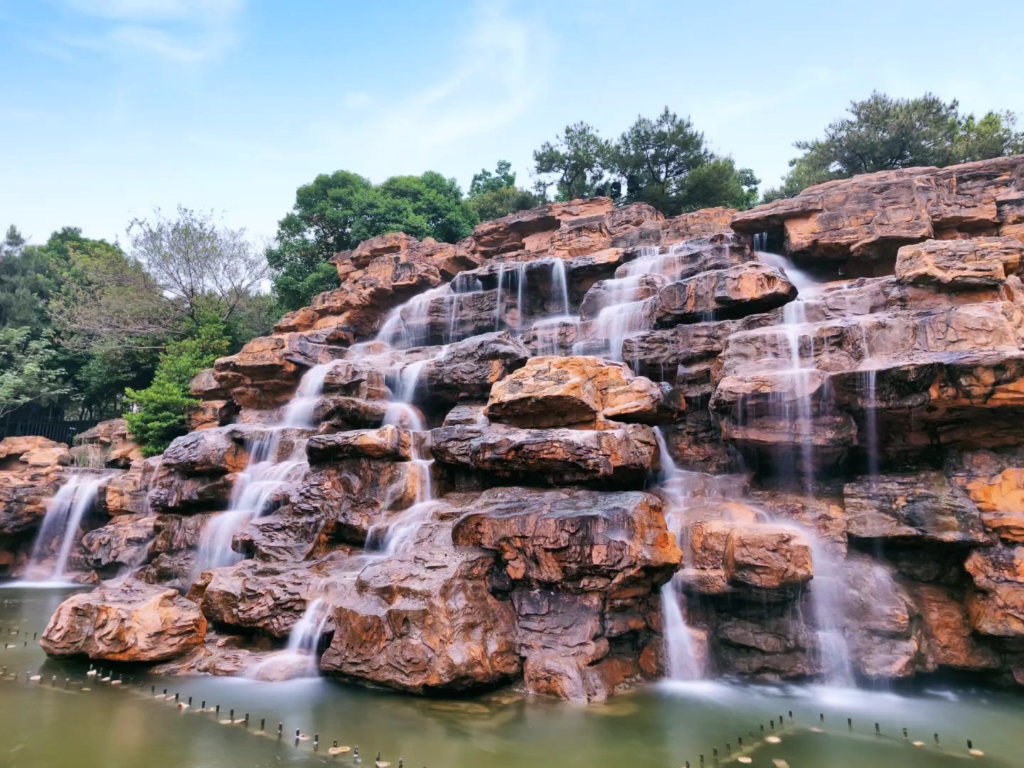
[[45, 725]]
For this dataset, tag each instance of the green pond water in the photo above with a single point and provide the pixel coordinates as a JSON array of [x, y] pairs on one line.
[[43, 724]]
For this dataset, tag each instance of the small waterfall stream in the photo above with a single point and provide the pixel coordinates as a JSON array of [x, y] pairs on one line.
[[265, 474], [64, 515], [682, 661]]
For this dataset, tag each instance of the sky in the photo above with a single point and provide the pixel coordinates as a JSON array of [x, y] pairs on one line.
[[112, 108]]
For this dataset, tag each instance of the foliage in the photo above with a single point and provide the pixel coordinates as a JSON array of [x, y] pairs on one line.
[[883, 133], [493, 195], [575, 162], [337, 211], [160, 410], [179, 270], [664, 162], [27, 370]]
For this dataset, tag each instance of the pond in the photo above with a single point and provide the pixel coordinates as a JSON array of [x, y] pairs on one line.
[[70, 718]]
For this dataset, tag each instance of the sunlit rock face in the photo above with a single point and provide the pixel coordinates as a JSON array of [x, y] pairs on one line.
[[588, 439], [132, 623]]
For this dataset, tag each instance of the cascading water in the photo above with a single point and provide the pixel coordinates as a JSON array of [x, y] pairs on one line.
[[797, 407], [681, 658], [265, 475], [392, 537], [300, 657], [826, 596], [64, 515], [299, 412]]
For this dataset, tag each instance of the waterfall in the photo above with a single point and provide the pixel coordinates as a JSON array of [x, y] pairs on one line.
[[264, 476], [869, 378], [407, 324], [61, 522], [299, 658], [299, 412], [560, 285], [826, 596], [681, 658], [305, 635], [389, 538]]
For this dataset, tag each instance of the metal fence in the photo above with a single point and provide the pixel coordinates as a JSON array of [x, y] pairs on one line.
[[54, 429]]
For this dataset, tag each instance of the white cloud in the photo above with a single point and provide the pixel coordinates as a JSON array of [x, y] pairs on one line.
[[498, 74], [183, 31]]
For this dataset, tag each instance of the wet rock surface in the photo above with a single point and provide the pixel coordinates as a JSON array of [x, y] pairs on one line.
[[132, 623]]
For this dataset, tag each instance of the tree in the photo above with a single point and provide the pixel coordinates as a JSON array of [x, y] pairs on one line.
[[160, 410], [179, 271], [666, 162], [12, 243], [493, 195], [575, 162], [337, 211], [883, 133], [27, 373]]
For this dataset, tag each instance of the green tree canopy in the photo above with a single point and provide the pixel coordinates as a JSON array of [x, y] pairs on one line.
[[28, 370], [883, 133], [574, 163], [664, 162], [160, 410], [179, 270], [337, 211], [493, 195]]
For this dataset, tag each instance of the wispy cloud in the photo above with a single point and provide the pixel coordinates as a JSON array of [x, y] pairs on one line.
[[499, 73], [180, 31]]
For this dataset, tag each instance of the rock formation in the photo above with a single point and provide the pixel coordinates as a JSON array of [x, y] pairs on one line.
[[538, 455]]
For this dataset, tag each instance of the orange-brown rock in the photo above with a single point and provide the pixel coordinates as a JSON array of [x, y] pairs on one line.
[[388, 442], [123, 543], [351, 496], [865, 219], [108, 444], [950, 640], [574, 391], [266, 371], [424, 620], [573, 538], [730, 552], [745, 289], [134, 622], [621, 455], [31, 471], [923, 505], [958, 265], [468, 369], [997, 608]]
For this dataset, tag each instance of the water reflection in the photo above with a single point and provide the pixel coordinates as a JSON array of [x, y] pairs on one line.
[[663, 725]]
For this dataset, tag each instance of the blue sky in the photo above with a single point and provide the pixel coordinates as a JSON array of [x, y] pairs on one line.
[[109, 108]]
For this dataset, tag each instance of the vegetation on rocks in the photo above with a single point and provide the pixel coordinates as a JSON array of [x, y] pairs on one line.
[[883, 134]]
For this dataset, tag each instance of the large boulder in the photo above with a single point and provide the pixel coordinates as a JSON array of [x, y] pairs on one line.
[[424, 620], [31, 471], [959, 265], [108, 444], [997, 607], [574, 391], [742, 290], [133, 622], [621, 454], [573, 538]]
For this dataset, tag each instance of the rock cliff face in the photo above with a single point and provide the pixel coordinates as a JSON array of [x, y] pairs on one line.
[[589, 444]]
